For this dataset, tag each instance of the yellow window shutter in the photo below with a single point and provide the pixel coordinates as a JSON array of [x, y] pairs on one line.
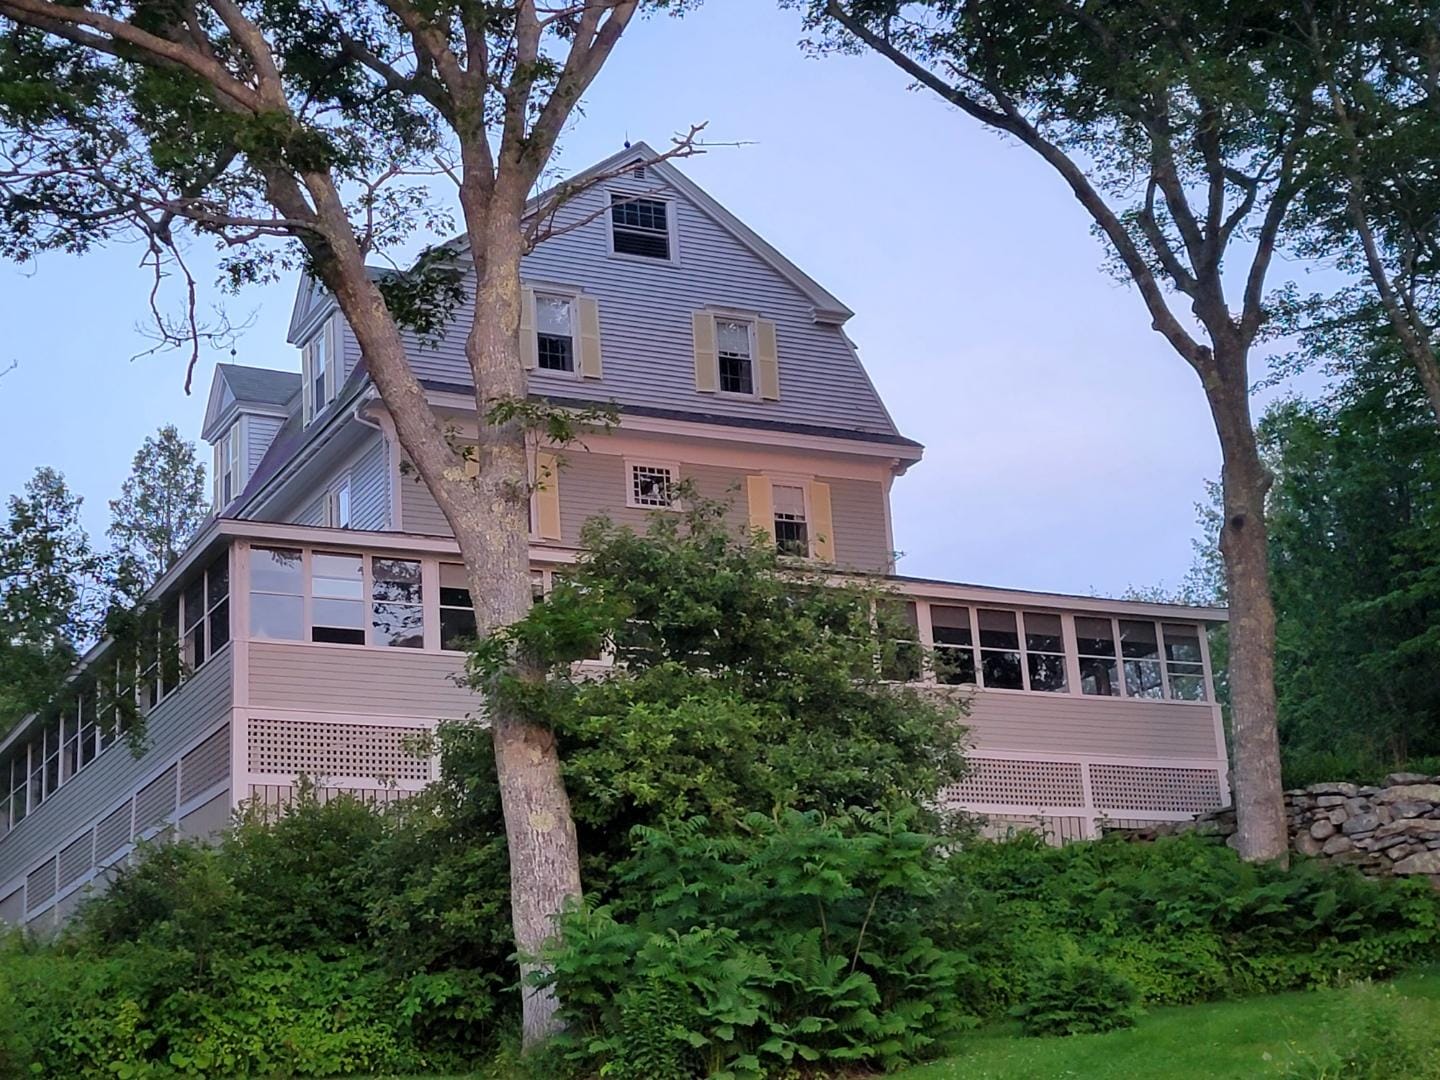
[[767, 360], [762, 505], [547, 496], [707, 360], [588, 311], [528, 347], [822, 528]]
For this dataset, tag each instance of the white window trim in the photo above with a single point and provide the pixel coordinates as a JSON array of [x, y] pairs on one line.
[[648, 463], [671, 230]]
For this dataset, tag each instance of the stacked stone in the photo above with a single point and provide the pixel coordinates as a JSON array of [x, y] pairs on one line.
[[1390, 828]]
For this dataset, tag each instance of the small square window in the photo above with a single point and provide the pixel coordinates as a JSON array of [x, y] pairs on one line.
[[652, 486], [640, 227], [554, 333]]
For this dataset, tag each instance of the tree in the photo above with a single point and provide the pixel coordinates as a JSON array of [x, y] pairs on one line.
[[48, 596], [1182, 130], [1375, 201], [296, 132], [162, 502]]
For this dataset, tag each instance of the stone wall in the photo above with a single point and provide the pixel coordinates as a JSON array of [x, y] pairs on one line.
[[1391, 828]]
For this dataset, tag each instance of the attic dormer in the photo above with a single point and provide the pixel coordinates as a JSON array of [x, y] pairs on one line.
[[246, 410]]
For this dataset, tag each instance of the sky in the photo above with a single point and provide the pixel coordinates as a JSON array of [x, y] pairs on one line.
[[1066, 444]]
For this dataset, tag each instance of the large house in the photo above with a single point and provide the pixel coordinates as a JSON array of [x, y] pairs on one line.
[[320, 608]]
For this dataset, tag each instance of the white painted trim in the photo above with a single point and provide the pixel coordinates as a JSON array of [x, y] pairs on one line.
[[672, 225], [631, 463]]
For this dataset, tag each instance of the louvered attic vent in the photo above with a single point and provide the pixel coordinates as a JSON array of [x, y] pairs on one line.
[[638, 172]]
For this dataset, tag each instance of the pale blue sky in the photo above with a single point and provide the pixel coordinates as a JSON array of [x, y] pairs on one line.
[[1066, 444]]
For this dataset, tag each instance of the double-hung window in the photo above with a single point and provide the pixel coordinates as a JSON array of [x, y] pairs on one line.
[[1095, 640], [734, 343], [227, 466], [337, 505], [318, 361], [792, 531], [1000, 665], [640, 227], [1184, 662], [554, 332], [206, 613]]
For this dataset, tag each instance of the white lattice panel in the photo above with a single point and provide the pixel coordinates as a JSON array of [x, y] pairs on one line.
[[1144, 787], [320, 750], [205, 766], [1014, 782]]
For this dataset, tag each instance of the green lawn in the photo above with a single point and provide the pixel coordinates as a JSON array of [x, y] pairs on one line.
[[1254, 1037], [1229, 1040]]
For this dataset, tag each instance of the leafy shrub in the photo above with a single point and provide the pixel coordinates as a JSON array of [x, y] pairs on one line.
[[1182, 918], [1372, 1039], [1076, 997], [794, 940]]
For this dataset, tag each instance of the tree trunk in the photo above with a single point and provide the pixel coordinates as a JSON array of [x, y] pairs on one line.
[[1258, 793], [539, 829]]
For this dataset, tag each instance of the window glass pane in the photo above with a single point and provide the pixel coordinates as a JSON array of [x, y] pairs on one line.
[[997, 630], [217, 579], [1094, 637], [1099, 677], [791, 533], [1142, 679], [1137, 639], [454, 586], [1047, 671], [346, 615], [1043, 633], [195, 602], [552, 315], [1182, 643], [1001, 670], [339, 577], [954, 665], [1187, 687], [219, 626], [639, 227], [732, 336], [950, 625], [650, 485], [275, 570], [275, 616], [397, 616]]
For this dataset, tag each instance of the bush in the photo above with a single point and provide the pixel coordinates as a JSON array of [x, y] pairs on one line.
[[1077, 997], [794, 940], [1183, 919]]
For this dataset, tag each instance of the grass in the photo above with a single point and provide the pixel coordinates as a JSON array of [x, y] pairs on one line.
[[1252, 1037], [1228, 1040]]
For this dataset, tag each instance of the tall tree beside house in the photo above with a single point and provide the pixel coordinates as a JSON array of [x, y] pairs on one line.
[[1182, 129], [49, 595], [162, 502], [1374, 205], [296, 132]]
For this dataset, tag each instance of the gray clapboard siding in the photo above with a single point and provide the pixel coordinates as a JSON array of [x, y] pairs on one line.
[[593, 485], [645, 324], [260, 433], [203, 702], [1075, 724], [366, 681], [370, 487], [312, 513]]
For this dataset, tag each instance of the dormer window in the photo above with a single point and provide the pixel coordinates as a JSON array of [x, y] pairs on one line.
[[640, 227], [555, 332], [318, 361]]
